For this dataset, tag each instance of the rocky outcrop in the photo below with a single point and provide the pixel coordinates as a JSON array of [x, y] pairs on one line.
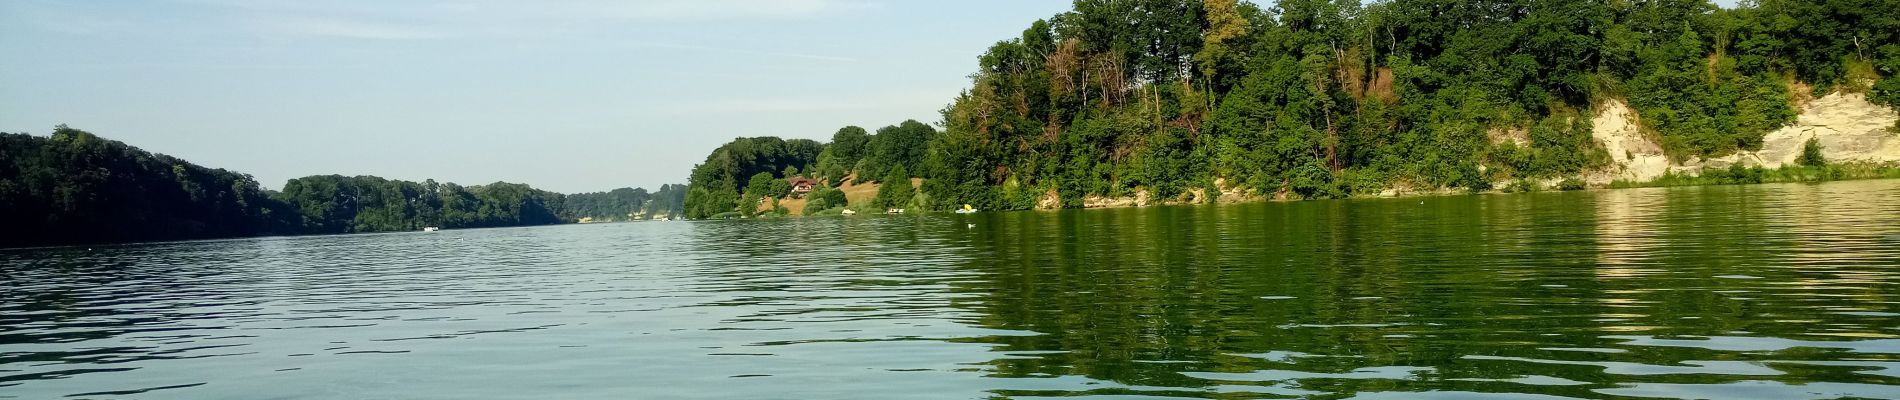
[[1634, 155], [1140, 199], [1848, 127]]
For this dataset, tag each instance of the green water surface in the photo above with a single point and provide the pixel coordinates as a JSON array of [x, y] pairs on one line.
[[1752, 292]]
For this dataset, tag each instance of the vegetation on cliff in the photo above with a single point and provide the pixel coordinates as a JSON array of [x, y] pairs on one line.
[[1322, 99]]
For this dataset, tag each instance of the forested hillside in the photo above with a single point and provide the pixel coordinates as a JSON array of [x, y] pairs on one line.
[[75, 187], [1325, 99]]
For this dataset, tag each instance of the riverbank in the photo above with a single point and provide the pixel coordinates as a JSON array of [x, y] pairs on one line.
[[1739, 176], [1383, 293], [1854, 138]]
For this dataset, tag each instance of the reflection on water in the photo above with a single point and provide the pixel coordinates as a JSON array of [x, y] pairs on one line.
[[1762, 292]]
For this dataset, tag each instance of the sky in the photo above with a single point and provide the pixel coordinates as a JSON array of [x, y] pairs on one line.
[[571, 96]]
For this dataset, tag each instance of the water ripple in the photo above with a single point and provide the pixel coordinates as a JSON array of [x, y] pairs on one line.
[[1757, 292]]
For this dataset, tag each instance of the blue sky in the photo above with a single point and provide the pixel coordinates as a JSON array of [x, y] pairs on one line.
[[569, 96], [579, 95]]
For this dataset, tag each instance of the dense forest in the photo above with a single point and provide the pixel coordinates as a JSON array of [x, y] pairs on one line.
[[75, 187], [1326, 99]]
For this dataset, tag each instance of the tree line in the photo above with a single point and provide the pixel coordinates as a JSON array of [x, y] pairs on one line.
[[75, 187], [1327, 99], [748, 170], [627, 204]]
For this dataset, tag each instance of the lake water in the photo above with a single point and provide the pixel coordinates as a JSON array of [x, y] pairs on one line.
[[1759, 292]]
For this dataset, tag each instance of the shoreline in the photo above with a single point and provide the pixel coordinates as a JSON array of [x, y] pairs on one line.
[[1786, 174]]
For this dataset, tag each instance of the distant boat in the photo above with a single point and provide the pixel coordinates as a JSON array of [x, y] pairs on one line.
[[849, 212], [967, 209], [430, 229], [894, 211]]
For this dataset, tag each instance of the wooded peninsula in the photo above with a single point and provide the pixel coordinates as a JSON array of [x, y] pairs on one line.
[[1170, 101]]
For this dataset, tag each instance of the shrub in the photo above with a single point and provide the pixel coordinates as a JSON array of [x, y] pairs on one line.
[[1811, 154]]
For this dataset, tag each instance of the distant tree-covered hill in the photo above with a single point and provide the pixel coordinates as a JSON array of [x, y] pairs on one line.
[[75, 187], [627, 204]]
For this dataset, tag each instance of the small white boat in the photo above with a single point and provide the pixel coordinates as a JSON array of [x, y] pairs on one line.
[[967, 209], [430, 229]]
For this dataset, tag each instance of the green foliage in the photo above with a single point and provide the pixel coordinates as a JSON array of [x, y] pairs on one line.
[[1559, 146], [1735, 175], [1522, 186], [715, 183], [616, 205], [1327, 99], [894, 147], [765, 185], [332, 204], [813, 206], [777, 209], [840, 157], [1571, 184], [1886, 92], [669, 202], [1811, 154], [75, 187], [1313, 181], [895, 191], [825, 198]]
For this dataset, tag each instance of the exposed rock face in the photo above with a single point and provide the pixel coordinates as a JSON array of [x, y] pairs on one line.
[[1140, 199], [1228, 193], [1633, 155], [1051, 200], [1849, 128]]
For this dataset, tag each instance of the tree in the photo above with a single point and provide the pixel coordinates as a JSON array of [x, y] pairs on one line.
[[897, 146], [761, 185], [1811, 154], [895, 191], [847, 147]]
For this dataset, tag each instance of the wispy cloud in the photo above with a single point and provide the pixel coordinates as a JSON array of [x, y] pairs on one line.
[[742, 51], [902, 100], [697, 10], [209, 66], [337, 28], [382, 20]]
